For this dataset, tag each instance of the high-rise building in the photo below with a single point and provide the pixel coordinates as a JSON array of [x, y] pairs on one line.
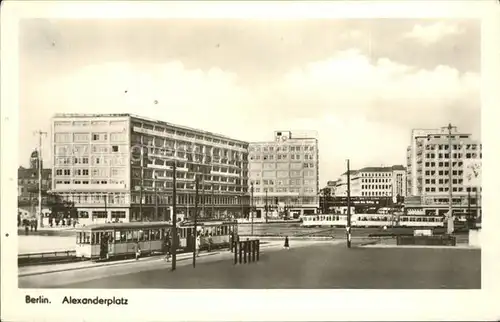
[[428, 171], [285, 174], [119, 167], [371, 183]]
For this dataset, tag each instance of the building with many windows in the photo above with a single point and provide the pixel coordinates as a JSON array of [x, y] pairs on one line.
[[428, 171], [383, 184], [284, 174], [120, 167]]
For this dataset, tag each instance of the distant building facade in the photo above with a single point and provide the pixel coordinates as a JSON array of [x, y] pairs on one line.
[[119, 167], [370, 183], [428, 161], [285, 174], [27, 185]]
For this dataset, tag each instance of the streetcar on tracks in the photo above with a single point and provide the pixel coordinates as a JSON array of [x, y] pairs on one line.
[[372, 220], [121, 239]]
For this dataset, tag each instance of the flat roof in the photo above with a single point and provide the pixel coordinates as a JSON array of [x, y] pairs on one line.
[[147, 119]]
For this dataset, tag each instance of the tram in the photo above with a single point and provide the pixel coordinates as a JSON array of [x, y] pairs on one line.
[[372, 220], [120, 239]]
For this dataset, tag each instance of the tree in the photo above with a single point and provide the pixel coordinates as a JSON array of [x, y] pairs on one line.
[[60, 208]]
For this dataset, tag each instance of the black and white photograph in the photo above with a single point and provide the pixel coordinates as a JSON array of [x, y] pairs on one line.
[[248, 154]]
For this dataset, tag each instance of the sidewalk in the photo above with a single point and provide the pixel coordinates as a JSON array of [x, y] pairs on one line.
[[47, 269], [459, 246]]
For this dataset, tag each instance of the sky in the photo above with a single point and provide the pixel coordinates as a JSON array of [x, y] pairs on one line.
[[363, 85]]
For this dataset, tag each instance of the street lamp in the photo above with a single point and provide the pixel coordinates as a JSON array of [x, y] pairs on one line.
[[251, 208], [156, 195], [450, 227], [348, 227]]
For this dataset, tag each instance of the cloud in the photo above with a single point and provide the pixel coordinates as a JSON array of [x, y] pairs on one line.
[[362, 110], [430, 34]]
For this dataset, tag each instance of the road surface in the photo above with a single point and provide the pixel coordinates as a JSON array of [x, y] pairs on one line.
[[320, 265]]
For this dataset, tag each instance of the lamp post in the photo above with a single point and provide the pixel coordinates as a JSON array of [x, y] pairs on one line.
[[450, 227], [213, 202], [142, 183], [156, 196], [251, 207], [267, 206], [195, 234], [348, 227]]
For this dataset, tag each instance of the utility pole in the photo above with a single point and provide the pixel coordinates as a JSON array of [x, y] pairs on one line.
[[195, 234], [469, 215], [267, 206], [106, 205], [174, 215], [40, 169], [450, 227], [142, 183], [156, 197], [348, 227], [213, 202], [251, 208]]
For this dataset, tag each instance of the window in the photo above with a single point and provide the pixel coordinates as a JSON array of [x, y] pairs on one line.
[[115, 148], [117, 137], [81, 137], [62, 137], [67, 172], [99, 137]]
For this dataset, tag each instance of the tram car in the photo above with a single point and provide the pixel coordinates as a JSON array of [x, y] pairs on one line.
[[372, 220], [120, 239]]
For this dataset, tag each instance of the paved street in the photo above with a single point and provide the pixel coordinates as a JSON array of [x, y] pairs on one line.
[[318, 266]]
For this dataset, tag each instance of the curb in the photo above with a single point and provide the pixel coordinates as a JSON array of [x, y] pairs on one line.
[[97, 265], [150, 258]]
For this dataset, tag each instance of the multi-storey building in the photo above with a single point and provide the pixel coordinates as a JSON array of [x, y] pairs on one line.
[[428, 159], [120, 167], [374, 183], [285, 174]]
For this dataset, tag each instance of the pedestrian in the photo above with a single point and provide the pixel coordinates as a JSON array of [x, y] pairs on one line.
[[287, 244], [36, 225], [210, 241], [167, 248], [231, 241], [198, 242], [26, 229], [137, 250]]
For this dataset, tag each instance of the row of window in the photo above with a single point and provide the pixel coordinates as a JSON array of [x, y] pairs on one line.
[[112, 181], [160, 131], [376, 174], [100, 172], [266, 157], [446, 189], [82, 150], [454, 146], [285, 189], [99, 214], [454, 155], [374, 193], [93, 198], [443, 172], [283, 148], [145, 235], [375, 186], [375, 180], [284, 182], [97, 160], [81, 123]]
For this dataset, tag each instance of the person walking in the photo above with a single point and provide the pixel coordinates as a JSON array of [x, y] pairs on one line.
[[137, 250], [198, 243], [210, 241], [287, 244], [168, 245]]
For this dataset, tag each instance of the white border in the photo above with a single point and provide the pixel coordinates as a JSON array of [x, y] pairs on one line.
[[255, 305]]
